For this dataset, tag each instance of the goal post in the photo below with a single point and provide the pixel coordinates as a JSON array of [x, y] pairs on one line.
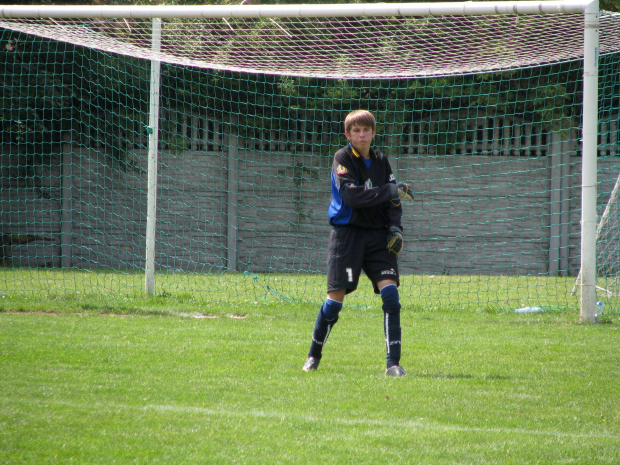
[[153, 147], [590, 153], [232, 39]]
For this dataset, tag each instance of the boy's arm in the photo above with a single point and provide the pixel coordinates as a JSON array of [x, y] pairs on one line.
[[356, 196], [392, 210], [360, 197]]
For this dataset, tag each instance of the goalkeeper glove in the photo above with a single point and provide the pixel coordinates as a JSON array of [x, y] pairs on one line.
[[404, 191], [395, 240]]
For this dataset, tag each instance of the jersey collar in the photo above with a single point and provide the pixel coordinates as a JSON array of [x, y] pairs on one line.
[[357, 155]]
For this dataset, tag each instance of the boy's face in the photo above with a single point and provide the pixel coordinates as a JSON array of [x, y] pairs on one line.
[[360, 137]]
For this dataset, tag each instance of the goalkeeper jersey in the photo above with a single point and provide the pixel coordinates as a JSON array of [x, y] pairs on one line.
[[364, 192]]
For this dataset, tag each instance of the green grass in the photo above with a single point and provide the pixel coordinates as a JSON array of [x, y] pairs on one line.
[[151, 383]]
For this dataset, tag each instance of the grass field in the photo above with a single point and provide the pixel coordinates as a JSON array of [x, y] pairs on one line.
[[165, 380]]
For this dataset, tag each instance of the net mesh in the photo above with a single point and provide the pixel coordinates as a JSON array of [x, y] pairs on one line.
[[608, 228], [339, 48], [488, 137], [608, 254]]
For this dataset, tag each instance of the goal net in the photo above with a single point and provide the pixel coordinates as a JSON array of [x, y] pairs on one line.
[[608, 254], [480, 113]]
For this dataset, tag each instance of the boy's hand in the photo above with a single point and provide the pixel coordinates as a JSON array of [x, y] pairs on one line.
[[404, 191], [395, 240]]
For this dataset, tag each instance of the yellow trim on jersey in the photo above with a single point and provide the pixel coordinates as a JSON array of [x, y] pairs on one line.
[[357, 154]]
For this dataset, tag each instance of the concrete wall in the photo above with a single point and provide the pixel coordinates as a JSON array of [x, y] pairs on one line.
[[473, 214]]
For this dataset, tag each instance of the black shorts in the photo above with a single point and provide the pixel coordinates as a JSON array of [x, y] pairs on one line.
[[351, 250]]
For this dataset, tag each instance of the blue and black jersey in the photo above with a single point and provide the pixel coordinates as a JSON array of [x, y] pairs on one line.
[[364, 192]]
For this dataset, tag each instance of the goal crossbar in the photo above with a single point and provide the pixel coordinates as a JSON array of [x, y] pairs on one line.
[[283, 11]]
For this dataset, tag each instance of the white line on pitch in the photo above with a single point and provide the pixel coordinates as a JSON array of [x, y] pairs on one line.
[[412, 424]]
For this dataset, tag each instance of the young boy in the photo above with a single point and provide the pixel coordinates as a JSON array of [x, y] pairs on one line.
[[365, 213]]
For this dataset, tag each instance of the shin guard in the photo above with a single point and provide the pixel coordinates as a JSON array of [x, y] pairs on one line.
[[325, 321]]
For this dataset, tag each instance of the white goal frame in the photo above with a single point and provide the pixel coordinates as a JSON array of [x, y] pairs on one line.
[[589, 9]]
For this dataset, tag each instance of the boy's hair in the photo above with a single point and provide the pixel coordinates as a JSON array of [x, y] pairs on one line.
[[360, 118]]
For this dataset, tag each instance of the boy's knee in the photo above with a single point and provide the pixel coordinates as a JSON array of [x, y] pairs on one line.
[[391, 300], [331, 309]]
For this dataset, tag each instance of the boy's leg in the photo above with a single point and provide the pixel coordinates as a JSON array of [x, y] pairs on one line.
[[344, 265], [391, 319], [381, 266], [325, 321]]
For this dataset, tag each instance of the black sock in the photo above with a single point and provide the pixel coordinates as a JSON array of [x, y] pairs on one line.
[[392, 338], [391, 324]]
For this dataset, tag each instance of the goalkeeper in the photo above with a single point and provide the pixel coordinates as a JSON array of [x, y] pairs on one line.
[[365, 213]]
